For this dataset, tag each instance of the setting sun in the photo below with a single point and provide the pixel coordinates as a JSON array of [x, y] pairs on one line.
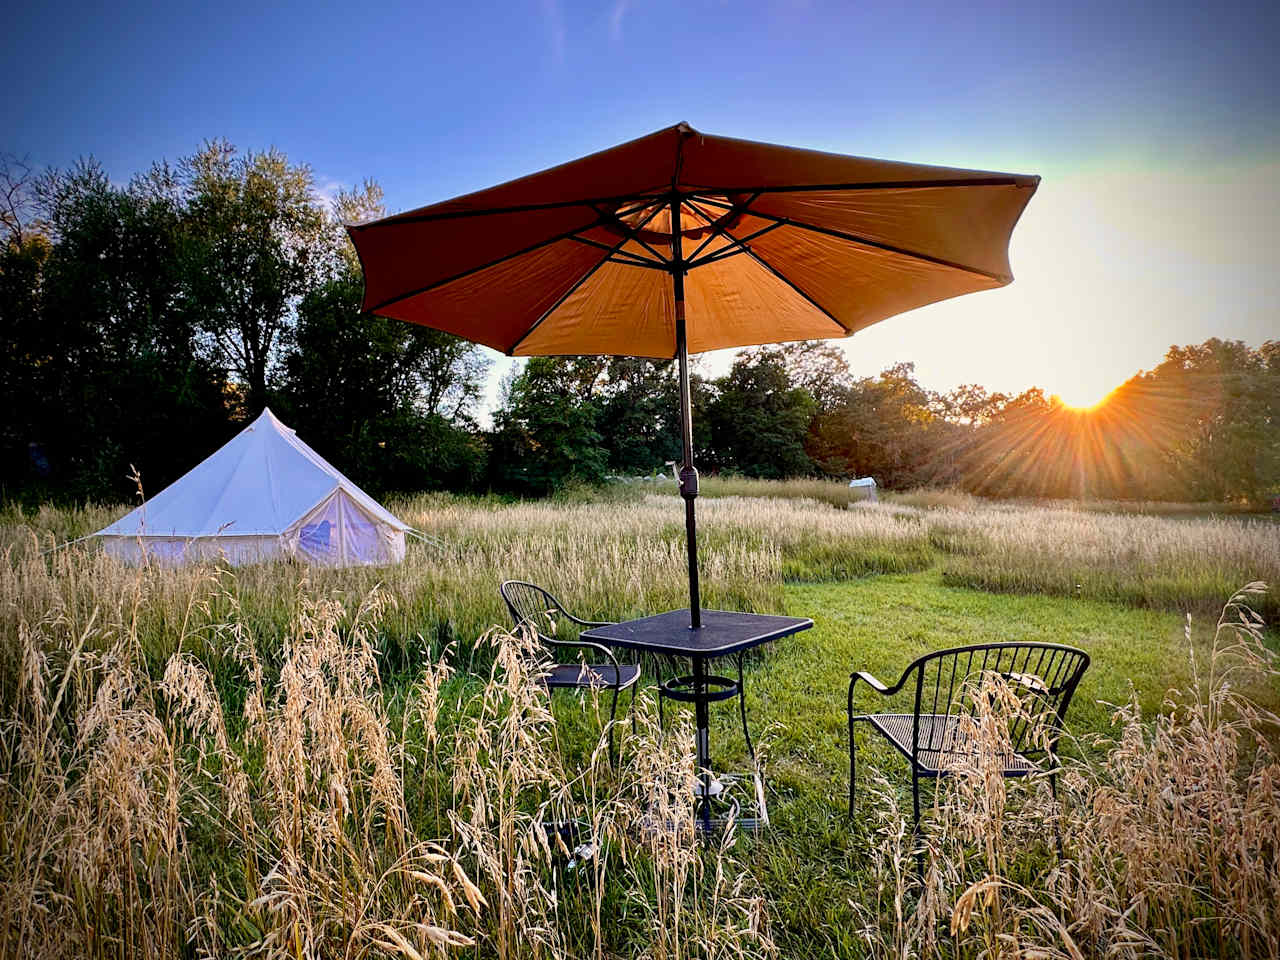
[[1083, 400]]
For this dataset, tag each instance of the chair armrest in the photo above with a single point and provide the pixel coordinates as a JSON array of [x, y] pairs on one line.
[[868, 679], [588, 645], [874, 684], [587, 623]]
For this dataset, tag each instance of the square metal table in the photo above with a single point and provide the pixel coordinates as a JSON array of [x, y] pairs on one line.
[[722, 633]]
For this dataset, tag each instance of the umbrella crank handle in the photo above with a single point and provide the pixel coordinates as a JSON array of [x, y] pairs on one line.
[[688, 481]]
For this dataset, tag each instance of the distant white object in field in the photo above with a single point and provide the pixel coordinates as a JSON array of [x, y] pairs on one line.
[[264, 495], [865, 488]]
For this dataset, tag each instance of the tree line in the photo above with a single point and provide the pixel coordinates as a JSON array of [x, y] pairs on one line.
[[1204, 425], [143, 324]]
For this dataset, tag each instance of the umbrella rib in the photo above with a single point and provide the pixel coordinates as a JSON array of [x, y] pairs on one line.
[[568, 293], [998, 181], [723, 254], [814, 303], [868, 242], [620, 212], [635, 258], [569, 235], [514, 208], [718, 227], [756, 257], [632, 233], [647, 264]]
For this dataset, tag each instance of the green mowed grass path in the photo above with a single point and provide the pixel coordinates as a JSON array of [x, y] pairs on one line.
[[813, 860]]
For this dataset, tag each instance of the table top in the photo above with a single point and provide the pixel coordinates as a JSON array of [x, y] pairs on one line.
[[722, 632]]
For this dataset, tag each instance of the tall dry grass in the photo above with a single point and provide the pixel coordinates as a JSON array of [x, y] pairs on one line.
[[147, 813], [1171, 556], [1179, 564], [1166, 844], [619, 558], [835, 493], [611, 560]]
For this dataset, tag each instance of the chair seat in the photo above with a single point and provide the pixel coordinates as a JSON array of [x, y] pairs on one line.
[[944, 743], [580, 675]]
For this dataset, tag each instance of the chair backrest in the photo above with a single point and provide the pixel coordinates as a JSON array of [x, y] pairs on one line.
[[1047, 673], [532, 606]]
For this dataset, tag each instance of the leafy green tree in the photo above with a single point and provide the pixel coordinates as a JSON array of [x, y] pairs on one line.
[[107, 346], [759, 419], [640, 415], [546, 430], [884, 427], [969, 404], [24, 344], [389, 401], [257, 242], [148, 318], [818, 366], [1018, 451], [1200, 426], [1224, 398]]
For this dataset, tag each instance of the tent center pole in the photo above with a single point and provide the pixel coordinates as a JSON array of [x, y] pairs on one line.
[[688, 474]]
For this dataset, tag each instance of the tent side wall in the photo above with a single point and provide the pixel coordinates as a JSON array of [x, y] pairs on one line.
[[339, 532], [176, 551]]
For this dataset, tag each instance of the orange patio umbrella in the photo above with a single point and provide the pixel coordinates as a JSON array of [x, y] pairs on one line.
[[770, 244]]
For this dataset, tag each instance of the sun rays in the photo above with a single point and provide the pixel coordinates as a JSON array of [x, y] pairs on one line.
[[1046, 447]]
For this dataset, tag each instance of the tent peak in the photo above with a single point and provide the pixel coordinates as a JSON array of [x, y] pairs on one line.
[[272, 419]]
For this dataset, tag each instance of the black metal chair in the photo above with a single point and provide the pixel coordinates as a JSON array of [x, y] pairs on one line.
[[534, 607], [934, 738]]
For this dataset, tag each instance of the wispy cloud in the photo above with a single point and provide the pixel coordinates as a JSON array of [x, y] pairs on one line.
[[553, 19], [615, 19], [326, 189]]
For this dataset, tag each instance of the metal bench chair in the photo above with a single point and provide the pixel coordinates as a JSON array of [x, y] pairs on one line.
[[933, 738], [534, 607]]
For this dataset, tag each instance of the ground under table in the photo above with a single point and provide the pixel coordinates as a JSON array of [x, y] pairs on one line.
[[721, 634]]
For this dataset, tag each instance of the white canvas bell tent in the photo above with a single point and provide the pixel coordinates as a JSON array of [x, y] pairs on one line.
[[264, 495]]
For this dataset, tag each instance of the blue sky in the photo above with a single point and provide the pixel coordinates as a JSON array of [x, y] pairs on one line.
[[1156, 127]]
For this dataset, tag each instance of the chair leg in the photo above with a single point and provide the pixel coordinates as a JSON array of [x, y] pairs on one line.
[[613, 713], [915, 823], [1057, 822], [853, 766], [915, 801], [634, 729]]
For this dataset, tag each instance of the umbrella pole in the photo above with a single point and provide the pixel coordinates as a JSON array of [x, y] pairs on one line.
[[688, 475]]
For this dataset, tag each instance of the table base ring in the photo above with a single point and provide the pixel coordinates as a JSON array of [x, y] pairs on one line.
[[685, 689]]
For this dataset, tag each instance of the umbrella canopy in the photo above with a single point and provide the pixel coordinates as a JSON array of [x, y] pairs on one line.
[[680, 242], [780, 244]]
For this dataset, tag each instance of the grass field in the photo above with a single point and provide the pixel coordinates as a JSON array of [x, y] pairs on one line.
[[281, 761]]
